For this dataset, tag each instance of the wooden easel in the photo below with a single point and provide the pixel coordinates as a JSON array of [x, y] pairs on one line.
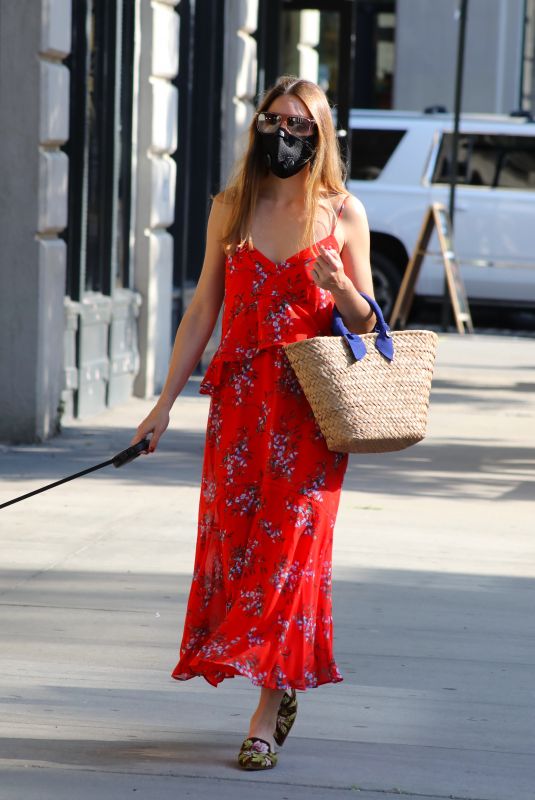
[[436, 216]]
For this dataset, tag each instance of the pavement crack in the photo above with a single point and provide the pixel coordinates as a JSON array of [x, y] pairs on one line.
[[144, 612]]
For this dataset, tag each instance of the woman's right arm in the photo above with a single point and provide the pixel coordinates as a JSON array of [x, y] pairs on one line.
[[195, 328]]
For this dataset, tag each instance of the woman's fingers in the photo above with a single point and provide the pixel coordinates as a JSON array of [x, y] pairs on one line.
[[329, 258], [154, 441], [142, 432], [327, 268], [135, 439], [156, 424], [324, 262]]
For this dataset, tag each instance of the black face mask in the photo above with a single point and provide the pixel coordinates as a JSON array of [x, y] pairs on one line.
[[286, 154]]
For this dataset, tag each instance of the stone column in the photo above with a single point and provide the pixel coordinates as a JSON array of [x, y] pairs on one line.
[[309, 37], [239, 79], [156, 176], [34, 106]]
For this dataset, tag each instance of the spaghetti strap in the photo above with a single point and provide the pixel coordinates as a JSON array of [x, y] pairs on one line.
[[342, 204]]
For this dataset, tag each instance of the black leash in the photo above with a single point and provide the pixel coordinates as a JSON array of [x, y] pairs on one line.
[[118, 461]]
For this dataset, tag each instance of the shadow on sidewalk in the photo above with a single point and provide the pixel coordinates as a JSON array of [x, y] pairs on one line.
[[454, 467], [440, 661]]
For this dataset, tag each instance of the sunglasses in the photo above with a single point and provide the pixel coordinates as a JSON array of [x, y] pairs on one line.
[[267, 122]]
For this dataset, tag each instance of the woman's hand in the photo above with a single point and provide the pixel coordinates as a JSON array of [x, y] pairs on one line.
[[347, 273], [328, 271], [156, 423]]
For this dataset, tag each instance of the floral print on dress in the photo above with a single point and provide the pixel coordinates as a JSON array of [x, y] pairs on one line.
[[282, 454], [260, 603]]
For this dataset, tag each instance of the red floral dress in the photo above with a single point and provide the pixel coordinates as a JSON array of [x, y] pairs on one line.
[[260, 600]]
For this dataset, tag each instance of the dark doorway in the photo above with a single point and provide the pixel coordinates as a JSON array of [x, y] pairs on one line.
[[100, 352], [374, 54], [99, 147], [278, 53], [355, 51], [199, 83]]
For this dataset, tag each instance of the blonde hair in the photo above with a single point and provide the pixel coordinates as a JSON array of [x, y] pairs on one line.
[[326, 174]]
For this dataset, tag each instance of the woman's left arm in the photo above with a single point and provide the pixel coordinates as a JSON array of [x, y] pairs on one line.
[[345, 274]]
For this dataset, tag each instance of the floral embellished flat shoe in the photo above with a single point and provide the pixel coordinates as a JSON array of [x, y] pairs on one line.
[[286, 716], [256, 753]]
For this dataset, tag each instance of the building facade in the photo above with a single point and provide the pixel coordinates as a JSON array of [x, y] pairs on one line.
[[121, 118], [498, 68]]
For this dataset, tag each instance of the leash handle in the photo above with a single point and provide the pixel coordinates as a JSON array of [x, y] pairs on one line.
[[125, 456]]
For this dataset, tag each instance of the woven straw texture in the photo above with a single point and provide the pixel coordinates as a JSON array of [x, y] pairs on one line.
[[372, 405]]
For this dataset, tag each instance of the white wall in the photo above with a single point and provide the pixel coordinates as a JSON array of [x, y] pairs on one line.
[[426, 46]]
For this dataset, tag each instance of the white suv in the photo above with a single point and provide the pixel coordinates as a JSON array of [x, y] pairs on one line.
[[400, 164]]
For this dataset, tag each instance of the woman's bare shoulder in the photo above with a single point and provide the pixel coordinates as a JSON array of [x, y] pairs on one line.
[[344, 201], [353, 210]]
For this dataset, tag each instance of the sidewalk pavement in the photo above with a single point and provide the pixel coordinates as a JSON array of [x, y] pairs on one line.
[[434, 561]]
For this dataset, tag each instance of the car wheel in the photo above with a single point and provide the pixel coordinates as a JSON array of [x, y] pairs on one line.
[[386, 282]]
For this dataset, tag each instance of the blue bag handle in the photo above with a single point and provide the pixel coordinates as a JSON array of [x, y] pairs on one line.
[[383, 341]]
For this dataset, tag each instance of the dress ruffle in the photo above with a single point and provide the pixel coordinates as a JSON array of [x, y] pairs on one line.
[[270, 305]]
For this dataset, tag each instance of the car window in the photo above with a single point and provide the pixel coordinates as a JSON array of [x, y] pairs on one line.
[[370, 151], [493, 160]]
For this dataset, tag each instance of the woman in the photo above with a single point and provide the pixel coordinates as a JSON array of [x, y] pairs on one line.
[[260, 599]]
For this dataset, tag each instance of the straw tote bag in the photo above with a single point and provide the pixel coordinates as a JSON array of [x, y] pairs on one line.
[[368, 393]]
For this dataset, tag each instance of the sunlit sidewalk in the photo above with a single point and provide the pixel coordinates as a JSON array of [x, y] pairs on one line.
[[434, 567]]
